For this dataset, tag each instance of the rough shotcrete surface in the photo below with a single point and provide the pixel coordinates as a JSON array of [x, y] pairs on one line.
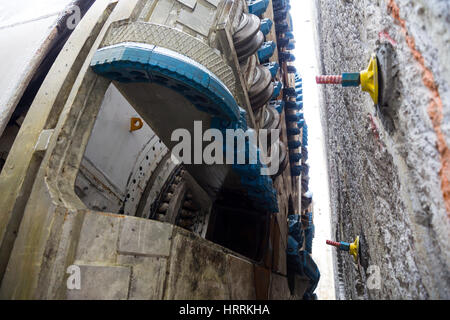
[[385, 176]]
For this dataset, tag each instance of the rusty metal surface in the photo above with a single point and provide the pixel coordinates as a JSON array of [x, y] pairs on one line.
[[262, 282]]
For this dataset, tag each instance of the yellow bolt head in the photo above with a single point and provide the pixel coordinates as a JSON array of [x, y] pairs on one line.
[[369, 79], [354, 248]]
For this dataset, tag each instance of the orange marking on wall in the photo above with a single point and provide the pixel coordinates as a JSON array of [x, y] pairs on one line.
[[435, 107], [383, 35]]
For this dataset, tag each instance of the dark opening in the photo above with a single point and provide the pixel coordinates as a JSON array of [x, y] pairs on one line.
[[237, 226]]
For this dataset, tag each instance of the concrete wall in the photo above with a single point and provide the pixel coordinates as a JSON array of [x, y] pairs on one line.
[[389, 170], [145, 259]]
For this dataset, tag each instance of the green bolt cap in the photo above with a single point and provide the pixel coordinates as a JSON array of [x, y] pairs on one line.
[[350, 79]]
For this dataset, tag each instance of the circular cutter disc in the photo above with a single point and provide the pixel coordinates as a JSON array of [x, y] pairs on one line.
[[271, 118], [283, 161], [262, 89], [261, 99], [261, 80], [247, 29], [271, 121], [250, 46]]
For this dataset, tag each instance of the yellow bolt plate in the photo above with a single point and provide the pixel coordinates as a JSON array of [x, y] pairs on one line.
[[354, 248], [369, 79]]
